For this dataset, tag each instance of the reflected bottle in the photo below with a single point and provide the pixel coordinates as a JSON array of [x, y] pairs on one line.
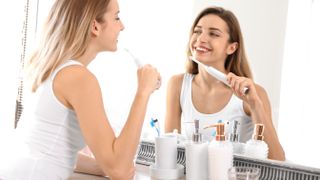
[[256, 147], [220, 155], [234, 138], [197, 156]]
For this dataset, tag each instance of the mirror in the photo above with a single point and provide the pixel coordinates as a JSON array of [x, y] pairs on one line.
[[266, 34], [158, 32]]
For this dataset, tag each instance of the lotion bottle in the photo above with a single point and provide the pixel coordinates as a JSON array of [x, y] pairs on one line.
[[220, 155], [256, 147], [197, 156], [234, 138]]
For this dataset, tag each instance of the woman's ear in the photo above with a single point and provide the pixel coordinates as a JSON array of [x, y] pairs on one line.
[[95, 28], [232, 48]]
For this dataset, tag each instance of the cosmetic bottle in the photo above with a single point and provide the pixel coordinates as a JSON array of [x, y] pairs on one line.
[[220, 155], [197, 156], [234, 138], [256, 147]]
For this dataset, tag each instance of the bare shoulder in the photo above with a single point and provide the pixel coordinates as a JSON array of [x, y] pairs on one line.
[[176, 80], [261, 92], [75, 83], [175, 83], [75, 75]]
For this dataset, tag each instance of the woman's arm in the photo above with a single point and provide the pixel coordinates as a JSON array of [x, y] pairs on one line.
[[87, 164], [78, 88], [261, 113], [173, 109], [257, 105]]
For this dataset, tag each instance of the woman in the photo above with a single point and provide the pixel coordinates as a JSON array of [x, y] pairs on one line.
[[69, 111], [216, 40]]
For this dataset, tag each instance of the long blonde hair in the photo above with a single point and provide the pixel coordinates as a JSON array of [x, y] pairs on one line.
[[66, 35], [237, 62]]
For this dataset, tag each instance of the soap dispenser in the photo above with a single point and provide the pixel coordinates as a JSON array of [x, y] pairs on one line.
[[197, 156], [220, 155], [234, 138], [256, 147]]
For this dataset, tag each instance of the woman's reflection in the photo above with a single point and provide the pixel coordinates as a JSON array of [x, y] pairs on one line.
[[216, 40]]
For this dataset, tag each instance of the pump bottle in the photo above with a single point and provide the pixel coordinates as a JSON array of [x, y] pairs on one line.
[[234, 138], [256, 147], [197, 156], [220, 155]]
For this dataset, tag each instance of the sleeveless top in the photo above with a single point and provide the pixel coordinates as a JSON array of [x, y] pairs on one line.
[[49, 138], [232, 111]]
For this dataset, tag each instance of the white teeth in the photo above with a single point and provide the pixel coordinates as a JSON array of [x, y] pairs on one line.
[[201, 49]]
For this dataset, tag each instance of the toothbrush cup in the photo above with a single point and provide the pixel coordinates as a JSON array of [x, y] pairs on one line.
[[166, 152]]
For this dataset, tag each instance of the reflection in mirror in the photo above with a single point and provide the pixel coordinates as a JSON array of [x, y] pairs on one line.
[[217, 44]]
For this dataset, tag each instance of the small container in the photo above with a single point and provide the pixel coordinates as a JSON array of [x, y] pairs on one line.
[[256, 147]]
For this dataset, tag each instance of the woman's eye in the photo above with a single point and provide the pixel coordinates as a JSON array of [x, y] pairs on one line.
[[197, 32], [214, 34]]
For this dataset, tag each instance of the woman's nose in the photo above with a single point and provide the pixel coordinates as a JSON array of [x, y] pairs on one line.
[[202, 38]]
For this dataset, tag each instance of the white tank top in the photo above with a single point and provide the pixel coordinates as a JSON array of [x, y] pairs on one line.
[[49, 138], [232, 111]]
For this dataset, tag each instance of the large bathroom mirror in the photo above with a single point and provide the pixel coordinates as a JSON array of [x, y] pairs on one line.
[[280, 39]]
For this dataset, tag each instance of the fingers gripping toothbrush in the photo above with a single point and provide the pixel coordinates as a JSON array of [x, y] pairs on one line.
[[216, 73], [139, 63]]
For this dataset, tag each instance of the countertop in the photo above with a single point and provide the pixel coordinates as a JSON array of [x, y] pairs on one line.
[[142, 173]]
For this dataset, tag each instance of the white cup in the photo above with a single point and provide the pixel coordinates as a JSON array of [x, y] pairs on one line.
[[166, 152]]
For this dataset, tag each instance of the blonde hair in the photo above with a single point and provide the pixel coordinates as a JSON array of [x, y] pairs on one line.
[[66, 35], [237, 62]]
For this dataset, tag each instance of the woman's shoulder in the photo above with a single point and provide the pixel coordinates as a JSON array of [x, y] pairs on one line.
[[261, 91], [75, 78], [177, 78], [175, 83], [75, 73]]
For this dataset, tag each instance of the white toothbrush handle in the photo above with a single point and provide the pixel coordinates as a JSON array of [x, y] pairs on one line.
[[139, 64], [137, 61], [219, 75]]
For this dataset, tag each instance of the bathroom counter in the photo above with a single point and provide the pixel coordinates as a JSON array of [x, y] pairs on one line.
[[142, 173]]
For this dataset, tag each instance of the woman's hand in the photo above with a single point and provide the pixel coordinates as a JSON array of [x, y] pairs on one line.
[[238, 85], [149, 79]]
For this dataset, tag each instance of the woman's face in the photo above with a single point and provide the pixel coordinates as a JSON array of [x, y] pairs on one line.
[[209, 42], [111, 27]]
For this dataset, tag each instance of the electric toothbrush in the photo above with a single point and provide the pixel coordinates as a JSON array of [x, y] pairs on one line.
[[216, 73], [138, 62]]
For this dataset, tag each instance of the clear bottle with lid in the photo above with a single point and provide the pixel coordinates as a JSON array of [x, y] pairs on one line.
[[256, 147]]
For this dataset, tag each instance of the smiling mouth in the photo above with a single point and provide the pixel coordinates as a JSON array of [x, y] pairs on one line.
[[201, 49]]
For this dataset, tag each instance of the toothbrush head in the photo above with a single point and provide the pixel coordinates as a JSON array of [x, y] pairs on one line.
[[153, 122], [195, 60], [136, 60]]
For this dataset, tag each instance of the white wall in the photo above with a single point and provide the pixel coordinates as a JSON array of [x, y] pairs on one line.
[[263, 24]]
